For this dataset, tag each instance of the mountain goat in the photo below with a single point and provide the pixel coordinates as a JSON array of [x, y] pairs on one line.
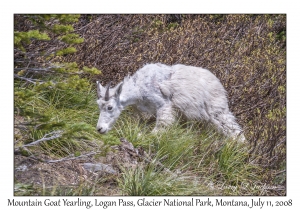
[[162, 90]]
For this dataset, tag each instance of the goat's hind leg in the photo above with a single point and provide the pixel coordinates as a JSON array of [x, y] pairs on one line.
[[227, 124]]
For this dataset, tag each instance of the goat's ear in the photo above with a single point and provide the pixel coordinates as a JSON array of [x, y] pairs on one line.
[[118, 89], [100, 88]]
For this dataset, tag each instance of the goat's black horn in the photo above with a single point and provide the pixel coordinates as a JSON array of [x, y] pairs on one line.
[[106, 98]]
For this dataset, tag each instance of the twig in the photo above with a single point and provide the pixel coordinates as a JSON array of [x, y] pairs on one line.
[[70, 158], [60, 160], [36, 69], [280, 172], [251, 108], [26, 79], [55, 135]]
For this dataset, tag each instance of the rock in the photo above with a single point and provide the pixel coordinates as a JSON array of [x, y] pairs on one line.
[[92, 167]]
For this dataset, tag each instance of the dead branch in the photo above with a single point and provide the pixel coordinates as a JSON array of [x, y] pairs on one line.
[[70, 158], [33, 81], [55, 135]]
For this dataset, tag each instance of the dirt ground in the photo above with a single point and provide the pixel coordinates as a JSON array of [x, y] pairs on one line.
[[78, 172], [32, 171]]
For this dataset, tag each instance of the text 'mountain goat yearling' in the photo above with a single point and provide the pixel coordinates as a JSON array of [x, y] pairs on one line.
[[162, 90]]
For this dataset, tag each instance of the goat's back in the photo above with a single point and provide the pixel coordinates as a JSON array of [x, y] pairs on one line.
[[195, 91]]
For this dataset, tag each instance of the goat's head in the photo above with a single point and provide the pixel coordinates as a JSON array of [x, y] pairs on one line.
[[109, 104]]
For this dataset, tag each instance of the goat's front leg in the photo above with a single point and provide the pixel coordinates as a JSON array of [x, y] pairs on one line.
[[164, 117]]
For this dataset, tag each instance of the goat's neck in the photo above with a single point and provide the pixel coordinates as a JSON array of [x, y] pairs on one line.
[[129, 95]]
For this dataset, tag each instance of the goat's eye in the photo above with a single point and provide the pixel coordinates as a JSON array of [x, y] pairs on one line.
[[109, 108]]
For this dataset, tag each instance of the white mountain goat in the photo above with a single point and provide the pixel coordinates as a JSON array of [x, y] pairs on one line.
[[163, 91]]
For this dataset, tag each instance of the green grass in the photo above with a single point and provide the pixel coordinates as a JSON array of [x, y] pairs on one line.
[[190, 162], [183, 159], [71, 111]]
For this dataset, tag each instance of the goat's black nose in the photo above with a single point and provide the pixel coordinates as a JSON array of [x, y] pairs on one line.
[[99, 130]]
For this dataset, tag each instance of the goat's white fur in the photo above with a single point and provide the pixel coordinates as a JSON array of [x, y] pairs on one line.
[[162, 90]]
